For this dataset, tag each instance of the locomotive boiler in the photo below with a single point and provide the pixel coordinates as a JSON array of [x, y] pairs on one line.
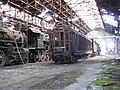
[[12, 45], [7, 34], [68, 45]]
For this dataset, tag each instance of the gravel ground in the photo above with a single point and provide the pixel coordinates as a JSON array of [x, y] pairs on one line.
[[47, 75]]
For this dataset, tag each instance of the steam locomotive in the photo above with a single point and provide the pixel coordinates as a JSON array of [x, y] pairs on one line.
[[68, 45], [24, 46]]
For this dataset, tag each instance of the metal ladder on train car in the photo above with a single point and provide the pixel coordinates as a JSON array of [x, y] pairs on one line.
[[18, 51]]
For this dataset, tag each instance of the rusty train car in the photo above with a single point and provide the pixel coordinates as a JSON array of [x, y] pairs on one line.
[[68, 45], [23, 46]]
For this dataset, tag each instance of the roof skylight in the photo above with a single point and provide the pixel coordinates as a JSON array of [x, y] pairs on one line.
[[87, 10]]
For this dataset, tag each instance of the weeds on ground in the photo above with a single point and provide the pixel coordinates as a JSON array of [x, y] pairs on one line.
[[109, 78]]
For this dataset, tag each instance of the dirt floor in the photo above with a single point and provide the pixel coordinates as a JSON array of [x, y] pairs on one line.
[[50, 76]]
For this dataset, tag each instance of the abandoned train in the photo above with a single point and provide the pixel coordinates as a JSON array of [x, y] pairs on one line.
[[68, 45], [29, 44], [23, 46]]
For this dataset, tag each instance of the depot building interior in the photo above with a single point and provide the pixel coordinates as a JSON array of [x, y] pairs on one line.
[[44, 29]]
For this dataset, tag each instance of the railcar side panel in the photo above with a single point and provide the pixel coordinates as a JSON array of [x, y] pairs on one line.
[[67, 45]]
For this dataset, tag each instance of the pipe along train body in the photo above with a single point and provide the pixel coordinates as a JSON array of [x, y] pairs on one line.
[[68, 45], [21, 46]]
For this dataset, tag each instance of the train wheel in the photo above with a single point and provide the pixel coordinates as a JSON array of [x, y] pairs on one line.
[[72, 59], [43, 56], [25, 58], [2, 58], [26, 61], [37, 57]]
